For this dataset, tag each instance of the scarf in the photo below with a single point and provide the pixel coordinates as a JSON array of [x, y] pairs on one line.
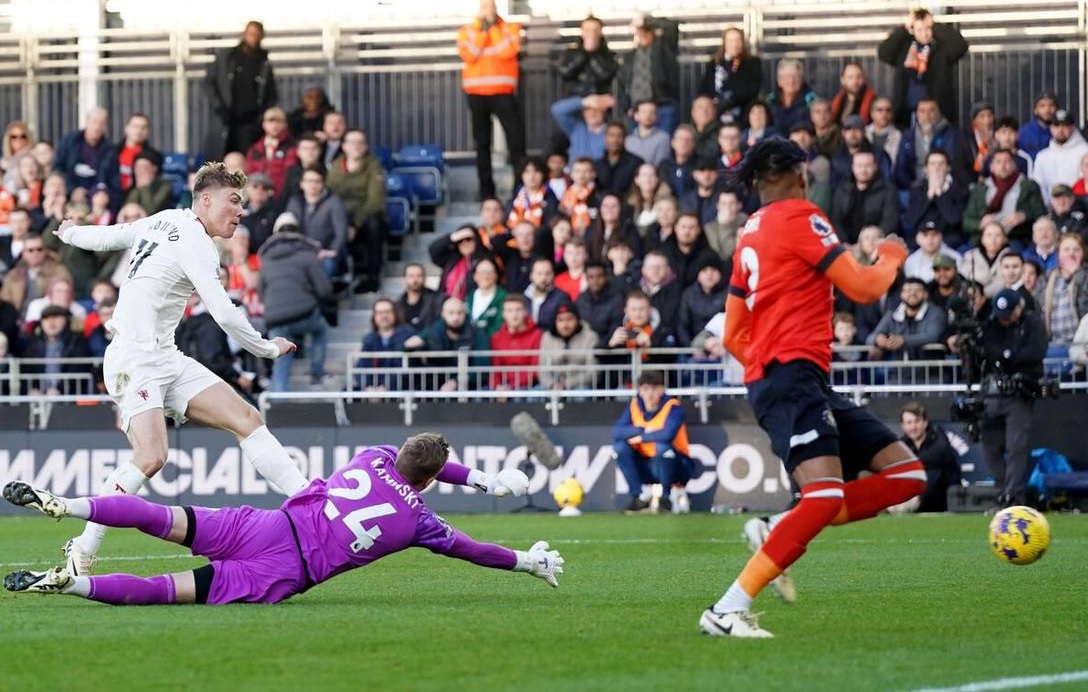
[[983, 151], [456, 285], [575, 205], [632, 331], [1002, 189], [917, 58], [527, 206]]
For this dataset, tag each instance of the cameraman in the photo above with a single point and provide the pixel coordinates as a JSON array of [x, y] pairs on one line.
[[1014, 343]]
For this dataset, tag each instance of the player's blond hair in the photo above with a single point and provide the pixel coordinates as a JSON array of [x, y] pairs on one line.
[[422, 456], [214, 175]]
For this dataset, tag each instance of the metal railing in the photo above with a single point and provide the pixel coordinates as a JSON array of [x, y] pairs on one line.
[[402, 81], [29, 376]]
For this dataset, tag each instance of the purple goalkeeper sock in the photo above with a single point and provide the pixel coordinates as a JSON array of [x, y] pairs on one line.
[[126, 589], [131, 512]]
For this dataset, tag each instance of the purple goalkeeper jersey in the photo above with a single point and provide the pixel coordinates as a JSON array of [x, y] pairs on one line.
[[366, 511]]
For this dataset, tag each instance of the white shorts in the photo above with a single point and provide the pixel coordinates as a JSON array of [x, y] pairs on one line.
[[140, 380]]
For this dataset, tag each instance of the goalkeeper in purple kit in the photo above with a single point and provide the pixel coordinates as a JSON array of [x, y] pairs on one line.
[[368, 509]]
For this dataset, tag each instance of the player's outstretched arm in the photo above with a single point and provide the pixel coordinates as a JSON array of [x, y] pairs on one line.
[[737, 327], [866, 284], [538, 560], [98, 238], [505, 482]]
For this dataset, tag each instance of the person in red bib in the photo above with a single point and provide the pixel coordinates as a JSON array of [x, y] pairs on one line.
[[778, 324]]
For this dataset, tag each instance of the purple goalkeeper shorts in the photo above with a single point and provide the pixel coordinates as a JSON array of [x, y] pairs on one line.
[[254, 554]]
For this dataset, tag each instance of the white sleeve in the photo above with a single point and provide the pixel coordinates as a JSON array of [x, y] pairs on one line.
[[202, 268], [102, 238]]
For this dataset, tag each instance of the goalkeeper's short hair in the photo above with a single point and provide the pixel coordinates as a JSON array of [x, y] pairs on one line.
[[422, 456]]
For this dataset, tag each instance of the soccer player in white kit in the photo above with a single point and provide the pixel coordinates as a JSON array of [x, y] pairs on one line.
[[172, 254]]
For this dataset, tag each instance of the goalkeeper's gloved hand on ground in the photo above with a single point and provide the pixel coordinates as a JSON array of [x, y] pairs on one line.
[[541, 563], [505, 482]]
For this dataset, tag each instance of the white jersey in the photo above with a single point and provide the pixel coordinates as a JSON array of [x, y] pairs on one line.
[[172, 255]]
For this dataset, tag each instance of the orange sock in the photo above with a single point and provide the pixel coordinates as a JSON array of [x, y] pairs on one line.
[[820, 503], [866, 497]]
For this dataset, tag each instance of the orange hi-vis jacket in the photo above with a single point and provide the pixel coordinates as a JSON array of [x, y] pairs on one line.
[[490, 57], [657, 422]]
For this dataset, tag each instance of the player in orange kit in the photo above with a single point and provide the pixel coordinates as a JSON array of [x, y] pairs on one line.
[[778, 324]]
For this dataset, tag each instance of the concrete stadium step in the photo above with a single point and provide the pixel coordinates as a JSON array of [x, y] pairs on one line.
[[396, 269], [448, 224]]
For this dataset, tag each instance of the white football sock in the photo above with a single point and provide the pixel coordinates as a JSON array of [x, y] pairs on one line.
[[78, 507], [126, 479], [272, 461], [80, 586], [733, 601]]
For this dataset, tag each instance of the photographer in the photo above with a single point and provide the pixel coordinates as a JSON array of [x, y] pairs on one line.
[[1013, 345]]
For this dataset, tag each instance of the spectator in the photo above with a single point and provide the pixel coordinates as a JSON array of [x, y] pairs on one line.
[[516, 250], [937, 197], [573, 280], [924, 56], [358, 179], [17, 141], [557, 178], [560, 236], [9, 326], [99, 213], [53, 341], [609, 228], [542, 293], [600, 305], [201, 338], [865, 199], [1063, 212], [1005, 137], [646, 191], [98, 338], [274, 153], [626, 267], [242, 273], [292, 286], [240, 87], [666, 211], [1008, 197], [101, 291], [947, 282], [309, 116], [845, 349], [44, 153], [1035, 280], [451, 332], [904, 332], [484, 303], [36, 269], [853, 141], [149, 190], [931, 132], [687, 250], [1066, 298], [939, 452], [321, 216], [1035, 135], [702, 200], [647, 141], [931, 245], [260, 212], [589, 66], [566, 352], [582, 120], [980, 264], [489, 47], [705, 126], [828, 134], [418, 305], [1044, 249], [676, 170], [61, 294], [818, 168], [789, 100], [638, 330], [881, 133], [492, 221], [651, 73], [23, 188], [980, 139], [388, 334], [1078, 350], [1059, 162], [855, 96], [759, 125], [517, 333], [533, 202], [733, 78], [580, 201], [234, 161], [117, 167], [701, 300], [456, 254], [658, 282], [616, 170], [81, 154], [13, 243], [730, 152], [721, 233], [307, 155], [1011, 266], [866, 251], [331, 137]]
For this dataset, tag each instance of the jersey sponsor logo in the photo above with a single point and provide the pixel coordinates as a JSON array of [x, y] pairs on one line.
[[820, 226]]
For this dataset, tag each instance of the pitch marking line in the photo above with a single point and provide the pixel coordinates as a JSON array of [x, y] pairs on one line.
[[1014, 683]]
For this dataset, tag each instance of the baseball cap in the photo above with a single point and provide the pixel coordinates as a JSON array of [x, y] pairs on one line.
[[1061, 190], [944, 262], [1063, 117], [284, 220], [1005, 302], [261, 179], [980, 107], [932, 226], [150, 155], [706, 163], [100, 187], [1046, 96], [55, 311], [853, 122], [805, 126]]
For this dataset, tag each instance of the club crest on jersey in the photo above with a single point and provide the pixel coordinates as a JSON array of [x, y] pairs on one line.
[[820, 226]]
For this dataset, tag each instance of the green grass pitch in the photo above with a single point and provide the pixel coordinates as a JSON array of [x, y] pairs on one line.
[[896, 603]]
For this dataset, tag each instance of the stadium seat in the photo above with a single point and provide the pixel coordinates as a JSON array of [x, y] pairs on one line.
[[175, 168], [423, 165], [384, 156], [399, 194], [411, 155]]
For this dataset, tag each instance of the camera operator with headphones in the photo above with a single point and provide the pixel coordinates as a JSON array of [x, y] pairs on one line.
[[1013, 345]]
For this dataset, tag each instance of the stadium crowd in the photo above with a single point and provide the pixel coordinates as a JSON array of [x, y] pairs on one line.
[[620, 237]]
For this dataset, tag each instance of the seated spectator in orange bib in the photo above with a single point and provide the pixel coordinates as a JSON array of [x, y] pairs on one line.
[[580, 200], [533, 202]]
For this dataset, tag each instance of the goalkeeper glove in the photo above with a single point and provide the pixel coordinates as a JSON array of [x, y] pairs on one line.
[[505, 482], [541, 563]]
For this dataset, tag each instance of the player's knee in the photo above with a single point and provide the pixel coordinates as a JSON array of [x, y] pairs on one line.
[[150, 462], [249, 420]]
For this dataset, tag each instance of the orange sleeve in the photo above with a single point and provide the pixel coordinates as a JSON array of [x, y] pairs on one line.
[[737, 322], [866, 284], [469, 46]]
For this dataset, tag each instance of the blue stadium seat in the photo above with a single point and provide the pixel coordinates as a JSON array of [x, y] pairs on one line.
[[424, 165], [175, 168], [400, 204], [384, 156], [411, 155]]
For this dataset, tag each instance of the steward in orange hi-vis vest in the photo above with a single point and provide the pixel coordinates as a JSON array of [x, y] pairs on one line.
[[490, 56]]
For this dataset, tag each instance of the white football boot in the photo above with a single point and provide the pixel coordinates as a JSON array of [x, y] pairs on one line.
[[755, 534], [740, 624], [51, 581], [23, 495], [78, 562]]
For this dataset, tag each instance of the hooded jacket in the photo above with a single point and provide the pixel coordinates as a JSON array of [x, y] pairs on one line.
[[1059, 163], [569, 363], [292, 282]]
